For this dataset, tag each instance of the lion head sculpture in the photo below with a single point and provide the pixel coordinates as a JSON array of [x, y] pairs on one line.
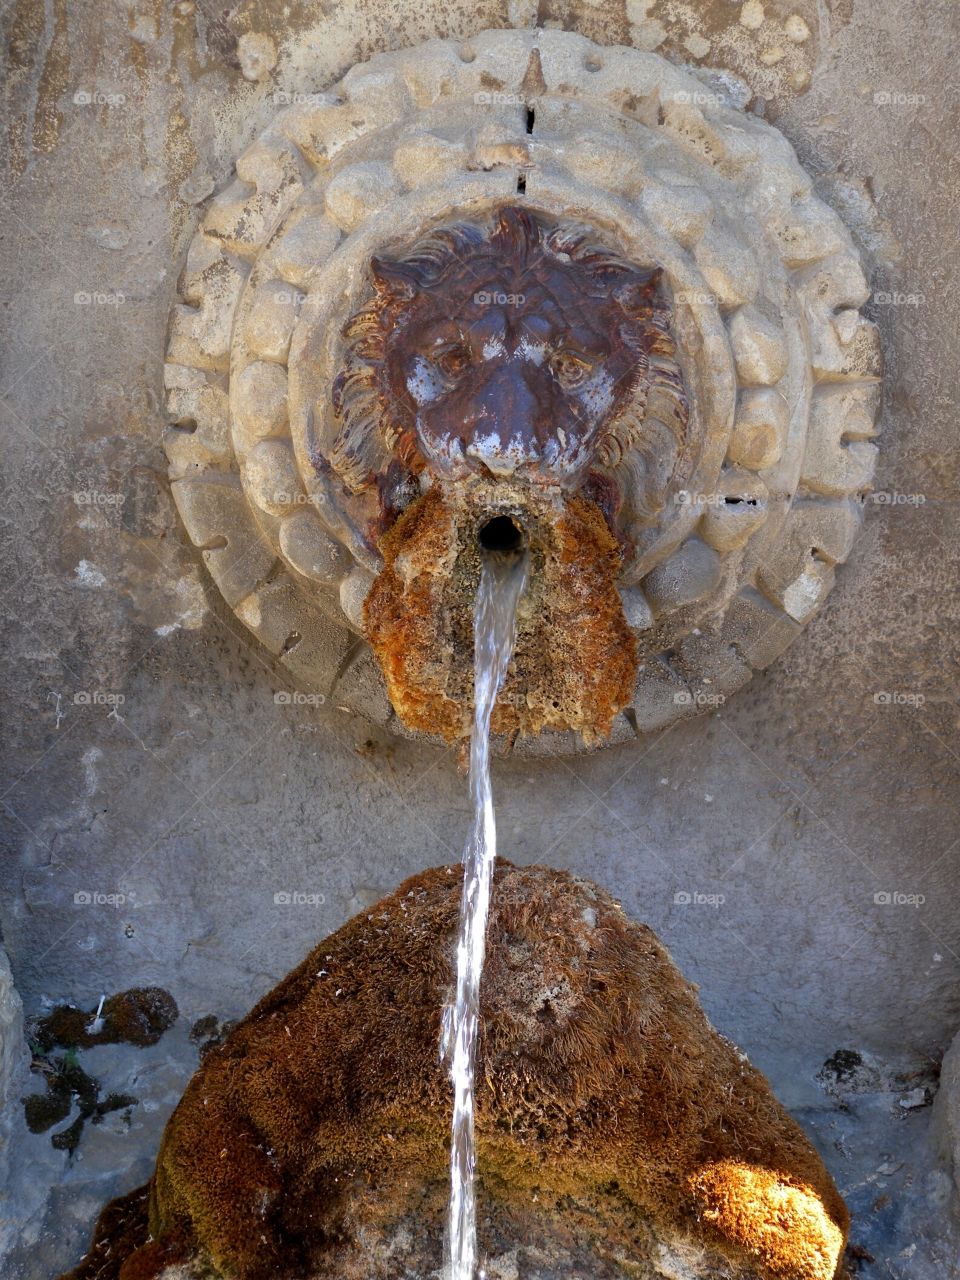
[[516, 348], [510, 366]]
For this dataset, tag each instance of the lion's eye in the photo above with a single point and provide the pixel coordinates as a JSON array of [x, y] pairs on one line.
[[570, 369], [452, 360]]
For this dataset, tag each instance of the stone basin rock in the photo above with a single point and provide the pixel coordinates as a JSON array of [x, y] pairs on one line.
[[618, 1133]]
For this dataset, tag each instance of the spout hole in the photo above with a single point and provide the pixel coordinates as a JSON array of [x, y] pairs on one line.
[[500, 534]]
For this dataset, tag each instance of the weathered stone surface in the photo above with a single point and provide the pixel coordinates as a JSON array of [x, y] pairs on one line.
[[758, 348], [690, 574], [760, 429], [272, 479], [612, 1120], [310, 798], [946, 1112], [311, 550], [259, 404], [271, 315]]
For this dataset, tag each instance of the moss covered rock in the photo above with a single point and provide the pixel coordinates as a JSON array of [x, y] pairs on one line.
[[618, 1133]]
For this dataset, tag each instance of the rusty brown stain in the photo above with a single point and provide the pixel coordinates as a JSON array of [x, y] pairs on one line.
[[54, 79], [16, 145], [23, 32]]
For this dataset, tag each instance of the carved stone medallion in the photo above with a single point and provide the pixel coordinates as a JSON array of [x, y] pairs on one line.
[[598, 306]]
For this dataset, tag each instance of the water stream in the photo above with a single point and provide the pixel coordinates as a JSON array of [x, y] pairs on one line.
[[494, 624]]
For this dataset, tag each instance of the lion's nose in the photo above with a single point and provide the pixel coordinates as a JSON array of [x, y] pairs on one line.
[[503, 437], [502, 457]]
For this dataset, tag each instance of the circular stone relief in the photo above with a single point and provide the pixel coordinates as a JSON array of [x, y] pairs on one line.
[[686, 323]]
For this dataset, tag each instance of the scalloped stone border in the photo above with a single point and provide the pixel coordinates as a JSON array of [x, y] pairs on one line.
[[782, 370]]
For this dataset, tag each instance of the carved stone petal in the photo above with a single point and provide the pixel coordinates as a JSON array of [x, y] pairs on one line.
[[728, 268], [760, 429], [839, 457], [218, 521], [272, 479], [691, 573], [759, 348], [727, 525], [259, 403], [425, 159], [359, 191], [270, 320], [354, 590], [298, 253], [636, 610], [311, 550], [684, 212]]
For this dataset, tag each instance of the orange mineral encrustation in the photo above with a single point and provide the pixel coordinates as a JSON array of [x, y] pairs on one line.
[[574, 664]]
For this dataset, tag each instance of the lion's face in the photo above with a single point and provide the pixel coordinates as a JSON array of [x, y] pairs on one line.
[[516, 349], [510, 364]]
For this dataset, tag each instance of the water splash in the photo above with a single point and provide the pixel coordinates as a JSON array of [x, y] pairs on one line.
[[494, 628]]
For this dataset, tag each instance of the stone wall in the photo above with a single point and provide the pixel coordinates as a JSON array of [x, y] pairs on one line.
[[165, 786]]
